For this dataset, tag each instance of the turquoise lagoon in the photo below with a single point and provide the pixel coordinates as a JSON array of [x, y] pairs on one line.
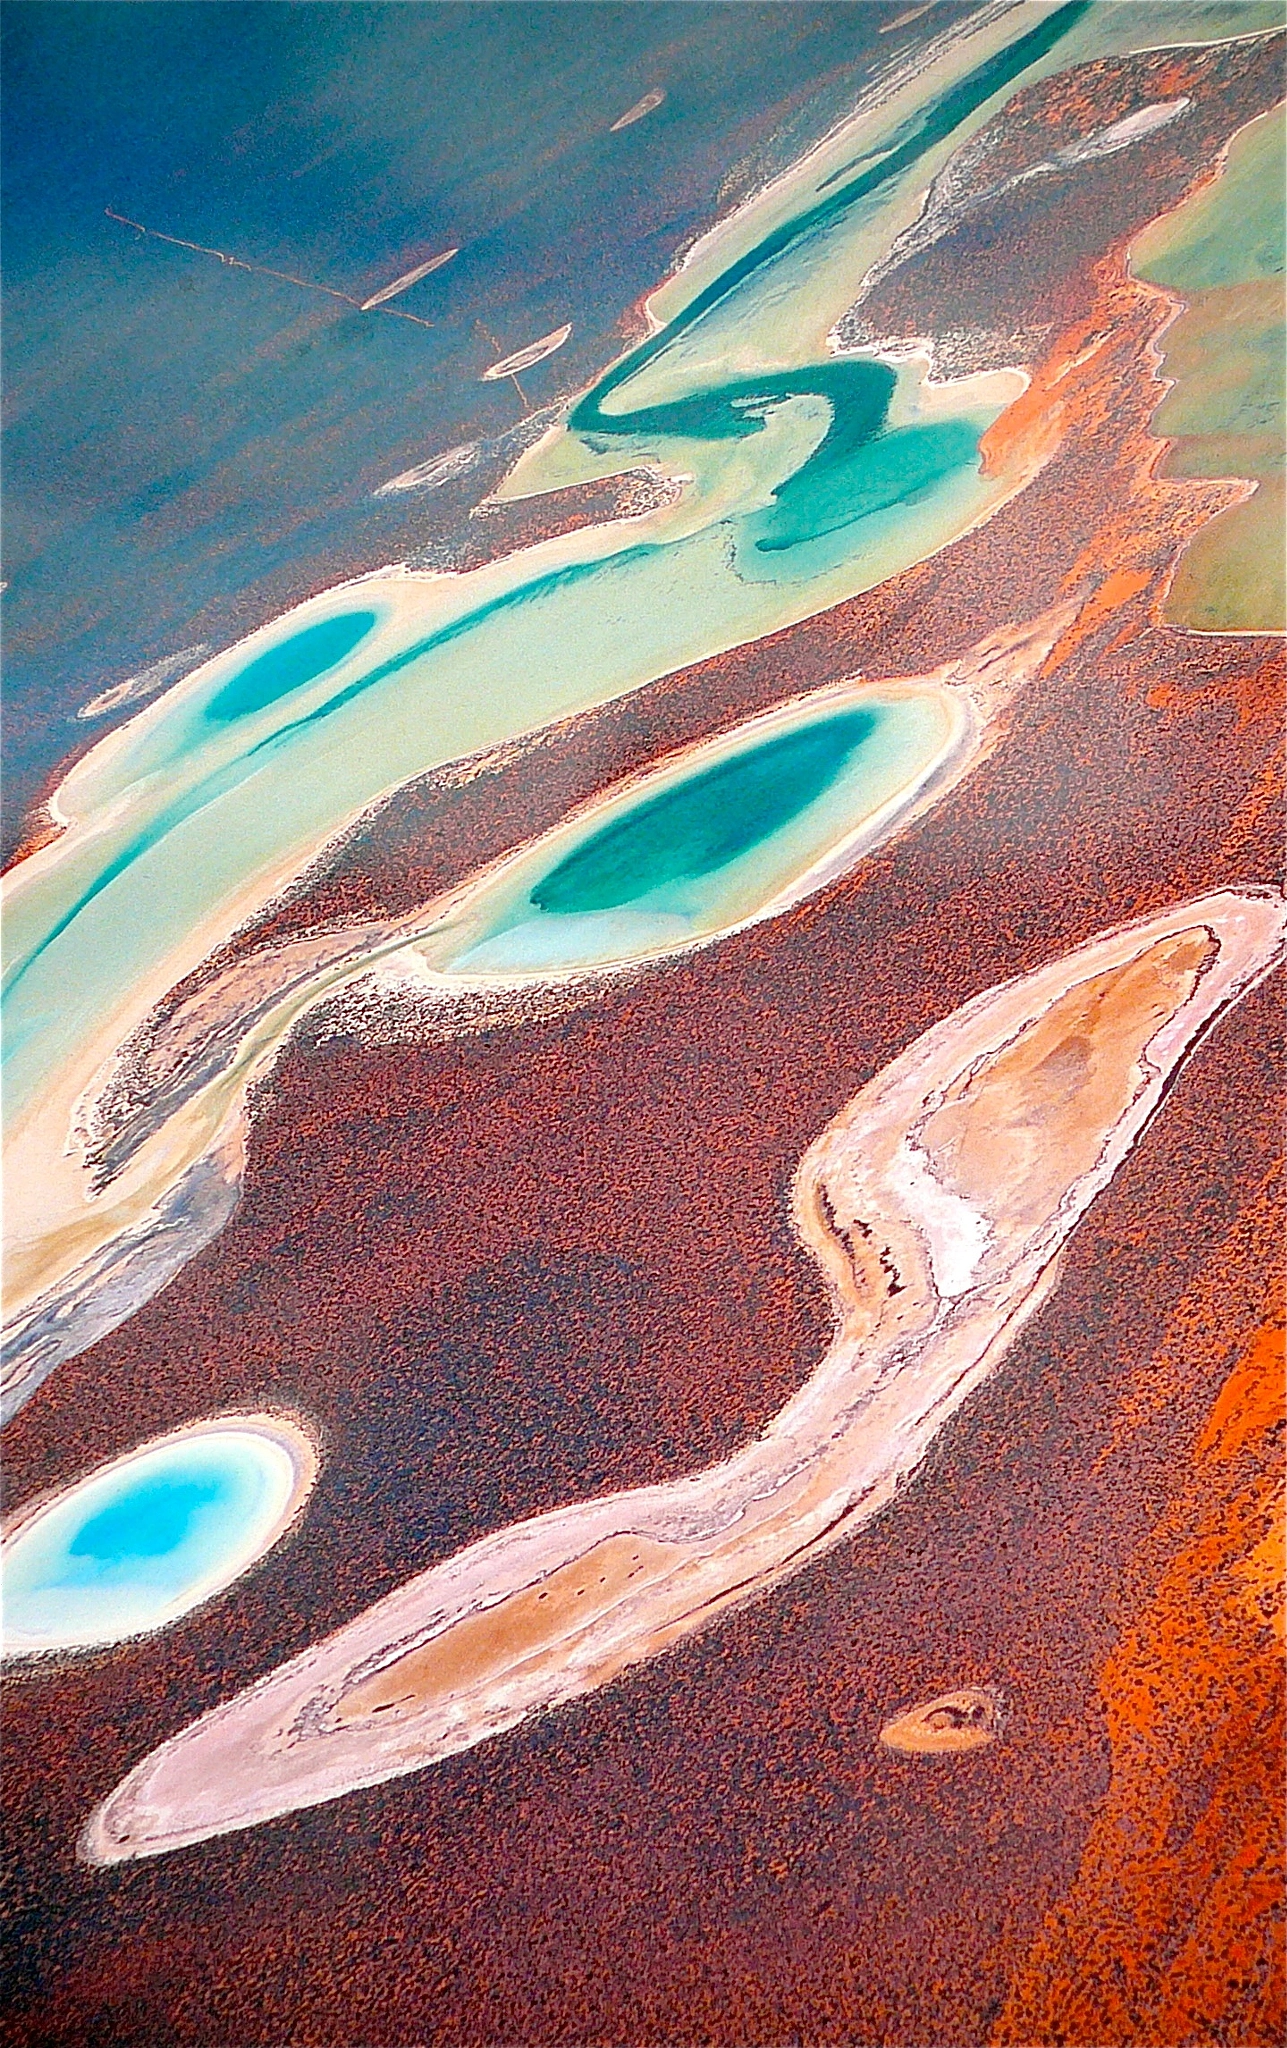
[[705, 843], [147, 1538], [808, 484], [191, 804]]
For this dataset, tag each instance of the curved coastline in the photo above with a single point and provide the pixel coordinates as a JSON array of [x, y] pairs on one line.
[[941, 119], [435, 1209], [510, 899], [1013, 58], [234, 805], [50, 1160], [1222, 352], [221, 790], [171, 1183]]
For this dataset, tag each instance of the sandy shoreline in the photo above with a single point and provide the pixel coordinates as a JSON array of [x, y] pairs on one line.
[[57, 1232], [287, 1435]]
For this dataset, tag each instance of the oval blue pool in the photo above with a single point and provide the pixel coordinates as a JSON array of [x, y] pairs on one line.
[[151, 1535]]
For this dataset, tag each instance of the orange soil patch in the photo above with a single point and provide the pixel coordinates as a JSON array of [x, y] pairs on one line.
[[1172, 1930], [968, 1719], [529, 1625], [1034, 1116]]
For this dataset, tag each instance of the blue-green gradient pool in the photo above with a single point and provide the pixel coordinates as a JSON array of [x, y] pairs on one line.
[[150, 1536]]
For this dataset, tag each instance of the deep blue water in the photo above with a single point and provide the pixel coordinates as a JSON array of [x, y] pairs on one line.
[[152, 1520], [133, 1546], [190, 447]]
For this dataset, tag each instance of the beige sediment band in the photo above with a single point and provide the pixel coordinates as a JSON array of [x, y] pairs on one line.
[[937, 1204], [76, 1268], [969, 1718]]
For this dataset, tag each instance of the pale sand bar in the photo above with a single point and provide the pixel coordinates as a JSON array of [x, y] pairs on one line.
[[937, 1204], [59, 1239]]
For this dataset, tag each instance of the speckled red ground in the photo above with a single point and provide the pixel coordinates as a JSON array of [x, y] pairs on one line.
[[540, 1262]]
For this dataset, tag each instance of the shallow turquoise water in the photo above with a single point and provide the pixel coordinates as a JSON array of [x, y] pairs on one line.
[[931, 125], [124, 898], [696, 853], [141, 1543], [279, 672], [289, 665], [223, 785], [341, 148], [897, 468], [698, 826]]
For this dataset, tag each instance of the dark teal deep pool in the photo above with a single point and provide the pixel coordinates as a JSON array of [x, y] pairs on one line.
[[700, 825]]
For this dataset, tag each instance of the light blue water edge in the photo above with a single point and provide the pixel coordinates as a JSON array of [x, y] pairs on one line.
[[150, 1536], [835, 495]]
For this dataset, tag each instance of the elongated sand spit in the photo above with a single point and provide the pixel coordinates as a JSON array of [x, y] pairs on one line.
[[172, 1178], [937, 1204]]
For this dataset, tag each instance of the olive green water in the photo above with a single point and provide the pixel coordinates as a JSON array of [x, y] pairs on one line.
[[1224, 251]]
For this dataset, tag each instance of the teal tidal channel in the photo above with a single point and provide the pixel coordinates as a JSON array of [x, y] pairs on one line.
[[699, 826], [278, 671], [933, 126], [272, 675], [701, 852]]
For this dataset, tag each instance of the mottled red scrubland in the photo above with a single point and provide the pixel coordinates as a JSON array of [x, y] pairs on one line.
[[1088, 422], [555, 1258], [1018, 258], [716, 1848]]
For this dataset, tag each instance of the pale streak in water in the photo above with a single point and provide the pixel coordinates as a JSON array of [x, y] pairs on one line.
[[647, 105], [405, 282], [306, 284], [71, 1220], [937, 1203], [62, 1229], [524, 358], [137, 689]]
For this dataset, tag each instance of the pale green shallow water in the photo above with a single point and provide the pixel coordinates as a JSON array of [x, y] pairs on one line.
[[1233, 230], [556, 646], [184, 809], [1226, 252]]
